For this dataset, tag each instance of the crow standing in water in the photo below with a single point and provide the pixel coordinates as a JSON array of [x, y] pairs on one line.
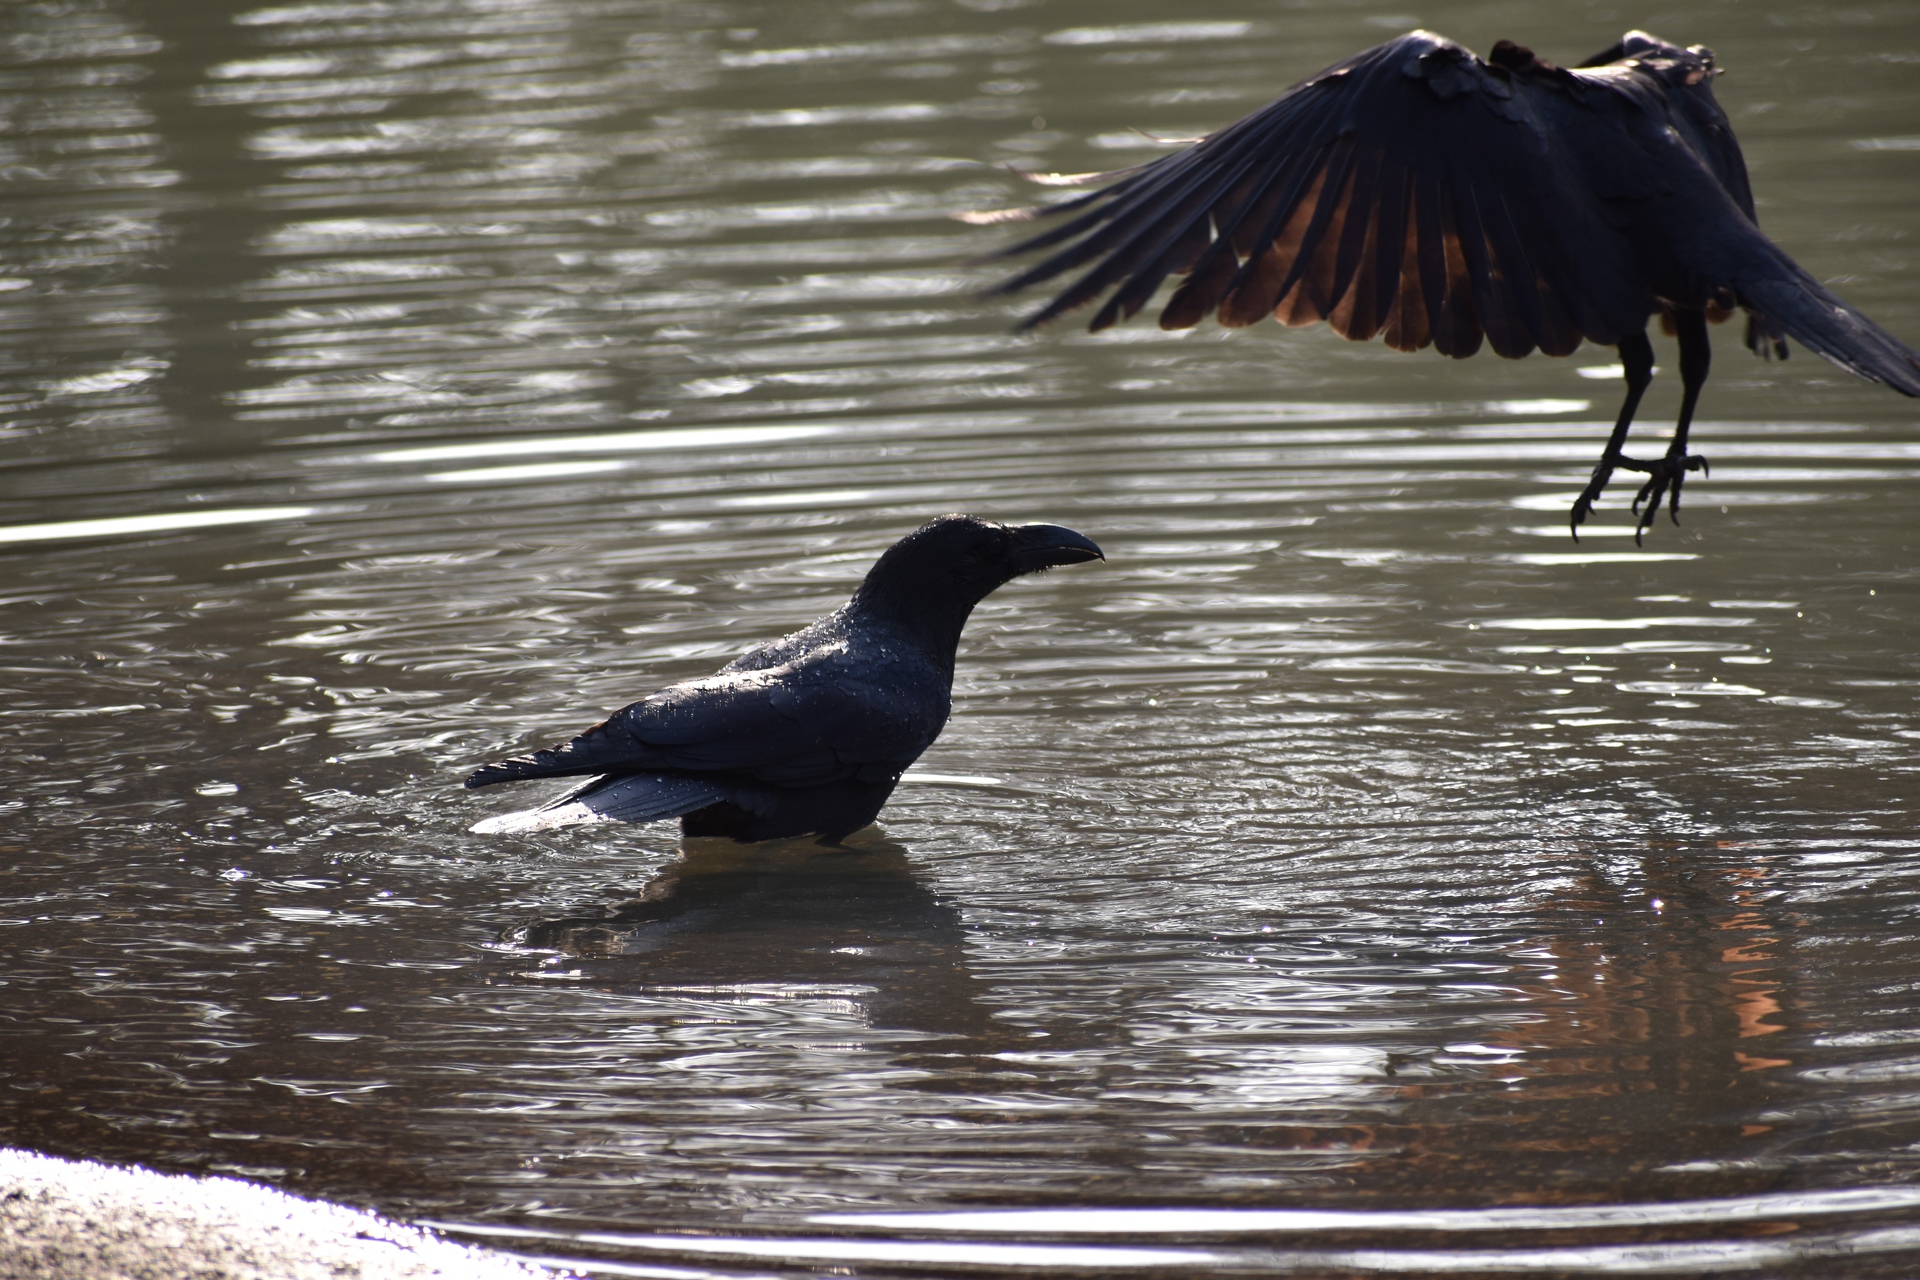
[[1418, 191], [808, 734]]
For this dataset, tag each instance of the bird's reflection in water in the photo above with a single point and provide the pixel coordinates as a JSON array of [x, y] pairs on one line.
[[795, 913], [1655, 1058]]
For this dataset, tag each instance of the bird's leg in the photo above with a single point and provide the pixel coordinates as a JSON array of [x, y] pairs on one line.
[[1636, 354], [1664, 476]]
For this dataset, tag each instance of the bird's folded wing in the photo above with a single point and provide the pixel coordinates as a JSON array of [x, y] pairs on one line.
[[1411, 190], [785, 727]]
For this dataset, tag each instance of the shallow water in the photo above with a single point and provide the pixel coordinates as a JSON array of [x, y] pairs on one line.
[[1353, 875]]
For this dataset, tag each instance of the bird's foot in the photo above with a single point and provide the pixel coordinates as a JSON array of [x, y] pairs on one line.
[[1583, 505], [1664, 477]]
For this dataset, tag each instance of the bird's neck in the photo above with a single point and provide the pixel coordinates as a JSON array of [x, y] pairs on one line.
[[933, 626]]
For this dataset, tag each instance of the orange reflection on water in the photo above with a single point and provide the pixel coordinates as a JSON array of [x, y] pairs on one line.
[[1641, 992]]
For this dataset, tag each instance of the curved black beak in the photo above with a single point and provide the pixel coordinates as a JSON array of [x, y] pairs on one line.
[[1042, 546]]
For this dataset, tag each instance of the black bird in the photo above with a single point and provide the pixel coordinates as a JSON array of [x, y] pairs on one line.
[[1417, 191], [808, 734]]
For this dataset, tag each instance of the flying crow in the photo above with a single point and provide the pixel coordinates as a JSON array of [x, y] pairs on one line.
[[1418, 192], [808, 734]]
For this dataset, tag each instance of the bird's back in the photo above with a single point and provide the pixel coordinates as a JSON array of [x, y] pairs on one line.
[[1674, 86]]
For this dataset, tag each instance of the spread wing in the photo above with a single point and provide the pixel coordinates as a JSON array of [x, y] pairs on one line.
[[799, 725], [1413, 191]]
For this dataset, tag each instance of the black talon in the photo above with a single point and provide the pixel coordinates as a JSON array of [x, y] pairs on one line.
[[1664, 480], [1641, 520], [1583, 505], [1692, 462], [1665, 475]]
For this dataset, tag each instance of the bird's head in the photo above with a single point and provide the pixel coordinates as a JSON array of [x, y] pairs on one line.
[[935, 575], [1655, 56]]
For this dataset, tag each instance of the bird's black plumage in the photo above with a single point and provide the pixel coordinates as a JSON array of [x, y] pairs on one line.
[[807, 734], [1417, 192]]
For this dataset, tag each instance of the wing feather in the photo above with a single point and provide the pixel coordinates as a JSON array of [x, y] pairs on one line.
[[1126, 202], [1370, 196], [1407, 328], [1217, 269], [1469, 240], [1131, 243], [1186, 238], [1308, 277], [1386, 252], [1432, 250], [790, 726], [1203, 289], [1293, 176], [1280, 234], [1458, 331], [1499, 310], [1356, 224], [1556, 331]]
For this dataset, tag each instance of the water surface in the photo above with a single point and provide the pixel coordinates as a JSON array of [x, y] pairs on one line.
[[1353, 875]]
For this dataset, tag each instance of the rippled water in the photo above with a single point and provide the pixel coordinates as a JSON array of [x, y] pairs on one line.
[[1352, 875]]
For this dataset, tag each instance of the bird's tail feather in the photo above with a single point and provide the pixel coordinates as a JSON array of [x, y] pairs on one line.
[[625, 797], [1794, 303]]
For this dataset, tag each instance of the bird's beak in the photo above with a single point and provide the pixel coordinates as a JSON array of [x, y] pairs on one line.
[[1042, 546]]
